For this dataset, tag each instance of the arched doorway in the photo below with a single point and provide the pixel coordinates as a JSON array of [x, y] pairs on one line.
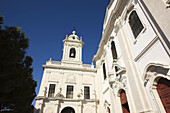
[[124, 102], [108, 110], [68, 110], [163, 88]]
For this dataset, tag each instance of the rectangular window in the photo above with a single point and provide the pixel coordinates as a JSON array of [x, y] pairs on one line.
[[51, 90], [86, 92], [69, 92]]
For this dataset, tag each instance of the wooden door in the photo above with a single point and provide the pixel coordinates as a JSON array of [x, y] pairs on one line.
[[124, 102], [163, 89]]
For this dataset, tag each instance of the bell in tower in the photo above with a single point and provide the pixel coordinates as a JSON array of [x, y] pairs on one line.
[[72, 53]]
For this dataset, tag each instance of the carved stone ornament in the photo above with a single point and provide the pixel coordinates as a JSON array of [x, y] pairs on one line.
[[80, 93], [71, 79], [59, 95], [120, 82], [153, 70]]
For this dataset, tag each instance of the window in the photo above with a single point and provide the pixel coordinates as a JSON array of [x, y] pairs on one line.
[[113, 48], [69, 92], [104, 71], [72, 52], [51, 90], [135, 24], [86, 92]]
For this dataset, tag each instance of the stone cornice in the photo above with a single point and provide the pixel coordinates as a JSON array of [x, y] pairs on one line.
[[110, 4], [75, 41], [107, 31], [69, 68], [65, 99]]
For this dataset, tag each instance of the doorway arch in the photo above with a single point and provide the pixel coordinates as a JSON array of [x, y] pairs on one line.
[[163, 89], [124, 102], [68, 110]]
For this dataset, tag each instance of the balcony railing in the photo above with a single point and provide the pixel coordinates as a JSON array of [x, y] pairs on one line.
[[67, 63]]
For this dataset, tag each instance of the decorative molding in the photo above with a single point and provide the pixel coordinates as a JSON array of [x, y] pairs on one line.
[[70, 68], [153, 69], [120, 83], [153, 72], [113, 75], [71, 79], [109, 27], [145, 50], [105, 90]]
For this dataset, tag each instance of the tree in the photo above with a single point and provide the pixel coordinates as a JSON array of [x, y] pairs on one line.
[[17, 87]]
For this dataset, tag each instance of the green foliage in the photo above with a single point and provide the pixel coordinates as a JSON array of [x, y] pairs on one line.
[[17, 87], [1, 20]]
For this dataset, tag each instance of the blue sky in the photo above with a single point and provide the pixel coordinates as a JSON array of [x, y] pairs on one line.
[[47, 22]]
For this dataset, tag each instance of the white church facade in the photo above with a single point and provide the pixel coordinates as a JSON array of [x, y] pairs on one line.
[[68, 84], [132, 72]]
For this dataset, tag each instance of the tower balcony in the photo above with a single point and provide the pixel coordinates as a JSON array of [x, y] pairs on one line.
[[69, 65]]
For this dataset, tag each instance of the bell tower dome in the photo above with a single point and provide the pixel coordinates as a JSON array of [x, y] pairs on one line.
[[72, 49]]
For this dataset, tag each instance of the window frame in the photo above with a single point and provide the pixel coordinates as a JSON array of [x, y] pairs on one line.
[[89, 91], [72, 91], [141, 20], [49, 90]]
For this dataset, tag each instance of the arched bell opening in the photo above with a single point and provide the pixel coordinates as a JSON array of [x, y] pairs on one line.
[[72, 53]]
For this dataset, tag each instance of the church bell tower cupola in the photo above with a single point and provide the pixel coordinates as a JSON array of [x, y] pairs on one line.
[[72, 49]]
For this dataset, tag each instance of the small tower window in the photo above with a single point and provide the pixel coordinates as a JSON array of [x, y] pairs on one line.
[[72, 52], [135, 24]]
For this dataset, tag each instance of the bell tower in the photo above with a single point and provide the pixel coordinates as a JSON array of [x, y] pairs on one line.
[[72, 49]]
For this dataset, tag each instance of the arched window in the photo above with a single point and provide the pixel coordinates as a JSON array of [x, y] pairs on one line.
[[72, 52], [113, 48], [135, 24], [104, 71], [124, 102], [163, 89]]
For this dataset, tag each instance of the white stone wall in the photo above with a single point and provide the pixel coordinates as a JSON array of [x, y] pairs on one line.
[[134, 56], [141, 62], [62, 78]]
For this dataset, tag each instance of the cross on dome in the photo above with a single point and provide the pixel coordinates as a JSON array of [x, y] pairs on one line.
[[73, 36]]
